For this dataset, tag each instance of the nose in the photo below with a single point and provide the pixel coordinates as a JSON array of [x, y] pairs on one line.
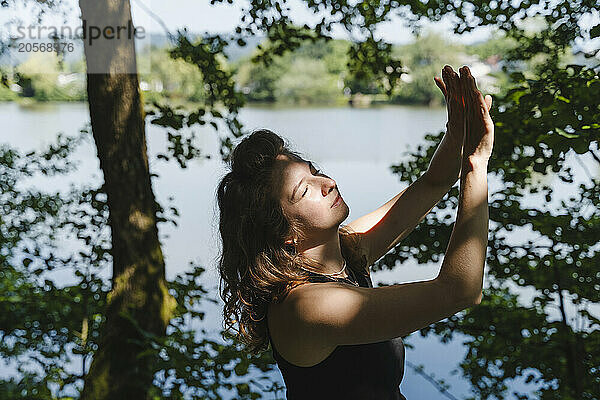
[[327, 186]]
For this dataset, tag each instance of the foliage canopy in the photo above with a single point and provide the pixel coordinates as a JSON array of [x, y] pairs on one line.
[[549, 114]]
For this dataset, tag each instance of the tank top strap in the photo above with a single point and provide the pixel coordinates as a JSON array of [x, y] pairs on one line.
[[352, 278]]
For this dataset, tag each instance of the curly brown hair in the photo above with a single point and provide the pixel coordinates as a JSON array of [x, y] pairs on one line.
[[256, 266]]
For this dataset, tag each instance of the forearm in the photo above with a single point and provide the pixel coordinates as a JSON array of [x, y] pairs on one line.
[[444, 167], [462, 268]]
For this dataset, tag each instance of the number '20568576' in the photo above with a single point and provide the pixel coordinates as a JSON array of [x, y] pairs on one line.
[[46, 47]]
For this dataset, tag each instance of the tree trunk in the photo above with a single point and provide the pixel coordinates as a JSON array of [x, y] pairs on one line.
[[139, 303]]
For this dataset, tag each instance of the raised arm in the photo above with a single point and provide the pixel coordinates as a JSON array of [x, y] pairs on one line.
[[326, 315], [381, 230], [465, 257]]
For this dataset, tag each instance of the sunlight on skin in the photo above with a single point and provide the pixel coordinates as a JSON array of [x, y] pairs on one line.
[[310, 206]]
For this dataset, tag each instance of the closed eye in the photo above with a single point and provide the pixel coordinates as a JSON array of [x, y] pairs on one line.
[[317, 172]]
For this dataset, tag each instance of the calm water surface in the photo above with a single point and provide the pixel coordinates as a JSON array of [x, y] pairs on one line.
[[354, 146]]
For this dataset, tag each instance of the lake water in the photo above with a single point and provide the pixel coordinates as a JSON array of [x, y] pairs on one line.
[[354, 146]]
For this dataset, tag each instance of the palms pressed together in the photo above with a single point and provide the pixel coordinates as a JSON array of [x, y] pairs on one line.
[[469, 120]]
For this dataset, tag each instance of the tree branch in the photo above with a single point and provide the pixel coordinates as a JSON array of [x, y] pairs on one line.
[[431, 379], [596, 157]]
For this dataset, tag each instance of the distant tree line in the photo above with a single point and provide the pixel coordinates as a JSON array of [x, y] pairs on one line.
[[315, 73], [137, 335]]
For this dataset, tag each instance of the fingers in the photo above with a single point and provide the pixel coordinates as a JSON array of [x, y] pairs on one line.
[[453, 79], [448, 76], [488, 102], [441, 85], [465, 87], [467, 100], [473, 86], [474, 95], [447, 83]]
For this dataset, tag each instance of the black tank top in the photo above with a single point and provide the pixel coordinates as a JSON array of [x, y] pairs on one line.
[[370, 371]]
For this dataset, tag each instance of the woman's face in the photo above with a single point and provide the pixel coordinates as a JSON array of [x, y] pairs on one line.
[[308, 196]]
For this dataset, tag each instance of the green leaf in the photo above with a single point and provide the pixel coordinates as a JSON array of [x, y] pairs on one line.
[[565, 134]]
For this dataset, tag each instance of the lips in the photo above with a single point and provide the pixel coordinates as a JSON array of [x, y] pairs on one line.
[[337, 201]]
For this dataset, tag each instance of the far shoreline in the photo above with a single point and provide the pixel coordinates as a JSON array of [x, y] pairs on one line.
[[22, 103]]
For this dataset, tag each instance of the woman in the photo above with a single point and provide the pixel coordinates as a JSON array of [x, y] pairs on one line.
[[292, 278]]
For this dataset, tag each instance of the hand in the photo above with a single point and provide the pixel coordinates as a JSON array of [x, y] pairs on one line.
[[451, 89], [479, 127], [445, 165]]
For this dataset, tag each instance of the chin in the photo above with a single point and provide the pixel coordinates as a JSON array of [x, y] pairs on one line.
[[346, 210]]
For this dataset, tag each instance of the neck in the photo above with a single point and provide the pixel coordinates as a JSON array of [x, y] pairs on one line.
[[327, 251]]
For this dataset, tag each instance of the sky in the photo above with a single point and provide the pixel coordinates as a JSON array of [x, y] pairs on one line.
[[200, 16]]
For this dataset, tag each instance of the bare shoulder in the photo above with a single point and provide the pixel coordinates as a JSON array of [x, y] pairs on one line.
[[315, 318], [293, 329]]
